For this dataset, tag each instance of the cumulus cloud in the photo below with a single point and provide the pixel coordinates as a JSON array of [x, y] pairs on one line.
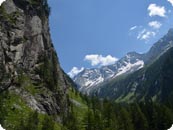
[[133, 28], [171, 1], [100, 60], [74, 71], [155, 24], [1, 1], [145, 35], [155, 10]]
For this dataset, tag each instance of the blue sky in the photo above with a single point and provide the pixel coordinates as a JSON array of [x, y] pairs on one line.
[[93, 33]]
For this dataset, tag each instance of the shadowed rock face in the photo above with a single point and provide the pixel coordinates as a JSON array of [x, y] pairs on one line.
[[28, 62]]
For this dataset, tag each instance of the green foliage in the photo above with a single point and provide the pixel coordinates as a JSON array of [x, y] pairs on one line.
[[96, 115], [25, 82], [16, 115], [89, 121], [48, 123], [13, 109], [9, 19], [88, 113], [73, 118], [133, 116], [31, 123], [138, 118], [48, 72]]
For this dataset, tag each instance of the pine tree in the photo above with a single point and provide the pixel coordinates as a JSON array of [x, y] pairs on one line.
[[88, 120], [139, 119], [33, 121], [48, 123], [125, 120]]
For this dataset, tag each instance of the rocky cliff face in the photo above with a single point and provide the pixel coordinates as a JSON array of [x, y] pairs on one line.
[[28, 61]]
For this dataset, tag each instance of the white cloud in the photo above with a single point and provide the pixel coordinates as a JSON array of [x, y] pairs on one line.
[[155, 24], [155, 10], [141, 33], [148, 35], [1, 127], [171, 1], [75, 71], [100, 60], [133, 28], [1, 1], [145, 35]]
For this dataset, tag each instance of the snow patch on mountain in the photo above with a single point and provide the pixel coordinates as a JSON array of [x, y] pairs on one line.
[[88, 86], [89, 79], [130, 67], [95, 82]]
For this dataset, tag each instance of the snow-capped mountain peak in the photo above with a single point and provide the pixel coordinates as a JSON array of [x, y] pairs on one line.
[[88, 79]]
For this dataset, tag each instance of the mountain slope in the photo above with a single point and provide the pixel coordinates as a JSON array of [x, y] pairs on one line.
[[153, 82], [160, 47], [90, 79]]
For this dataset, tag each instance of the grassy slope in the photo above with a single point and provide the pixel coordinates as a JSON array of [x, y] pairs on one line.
[[80, 107], [14, 112]]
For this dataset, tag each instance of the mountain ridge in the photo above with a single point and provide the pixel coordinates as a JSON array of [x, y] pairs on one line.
[[88, 79], [153, 82], [130, 63]]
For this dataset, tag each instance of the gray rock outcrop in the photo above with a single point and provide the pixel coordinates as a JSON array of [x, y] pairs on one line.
[[29, 65]]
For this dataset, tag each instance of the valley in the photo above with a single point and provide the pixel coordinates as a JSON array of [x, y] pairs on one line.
[[134, 93]]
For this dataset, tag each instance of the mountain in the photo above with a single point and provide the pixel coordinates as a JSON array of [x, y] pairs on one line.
[[90, 79], [36, 94], [31, 78], [153, 82], [160, 47]]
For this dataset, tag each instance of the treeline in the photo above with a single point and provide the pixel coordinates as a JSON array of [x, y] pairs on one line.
[[99, 115], [106, 115]]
